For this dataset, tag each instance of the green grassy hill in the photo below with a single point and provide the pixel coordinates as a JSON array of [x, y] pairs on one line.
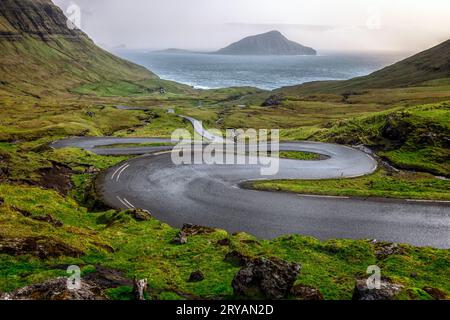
[[428, 65], [41, 56], [414, 138]]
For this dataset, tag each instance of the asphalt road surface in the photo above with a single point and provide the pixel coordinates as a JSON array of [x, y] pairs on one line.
[[211, 195]]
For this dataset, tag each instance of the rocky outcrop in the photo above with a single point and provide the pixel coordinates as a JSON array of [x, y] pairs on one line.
[[304, 292], [40, 18], [56, 289], [265, 278], [190, 230], [388, 290], [40, 247], [140, 214], [270, 43], [384, 250]]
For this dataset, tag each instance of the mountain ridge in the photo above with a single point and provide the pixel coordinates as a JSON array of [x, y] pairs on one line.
[[427, 65], [42, 56]]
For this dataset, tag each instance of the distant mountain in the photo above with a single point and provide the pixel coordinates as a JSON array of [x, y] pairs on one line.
[[431, 64], [41, 55], [270, 43]]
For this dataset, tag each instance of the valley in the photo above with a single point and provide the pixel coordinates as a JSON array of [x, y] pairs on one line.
[[56, 84]]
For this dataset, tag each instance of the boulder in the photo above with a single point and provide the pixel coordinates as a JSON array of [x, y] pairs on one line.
[[140, 214], [196, 276], [265, 278], [305, 292], [192, 229], [56, 289], [386, 249], [41, 247], [388, 290]]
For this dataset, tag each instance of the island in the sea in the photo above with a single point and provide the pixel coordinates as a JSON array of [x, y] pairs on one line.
[[270, 43]]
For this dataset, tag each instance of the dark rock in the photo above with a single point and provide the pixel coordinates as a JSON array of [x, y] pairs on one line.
[[192, 229], [387, 291], [436, 293], [265, 278], [56, 289], [384, 250], [181, 238], [224, 242], [304, 292], [196, 276], [140, 214], [41, 247], [58, 178], [236, 258], [106, 278]]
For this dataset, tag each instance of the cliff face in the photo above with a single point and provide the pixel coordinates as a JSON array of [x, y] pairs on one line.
[[270, 43], [40, 54], [34, 18]]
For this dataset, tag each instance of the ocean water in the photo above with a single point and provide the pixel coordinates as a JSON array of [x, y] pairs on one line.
[[208, 71]]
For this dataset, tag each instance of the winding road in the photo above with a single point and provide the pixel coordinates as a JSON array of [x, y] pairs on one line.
[[211, 195]]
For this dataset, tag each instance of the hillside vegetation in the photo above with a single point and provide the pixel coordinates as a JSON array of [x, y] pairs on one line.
[[428, 65], [42, 57]]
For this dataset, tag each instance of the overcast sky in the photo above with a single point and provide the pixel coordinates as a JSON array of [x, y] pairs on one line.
[[344, 25]]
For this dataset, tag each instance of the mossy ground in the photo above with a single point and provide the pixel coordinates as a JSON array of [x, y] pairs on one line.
[[382, 184], [144, 249]]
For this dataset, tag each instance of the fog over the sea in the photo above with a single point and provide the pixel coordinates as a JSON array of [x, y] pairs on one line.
[[344, 25]]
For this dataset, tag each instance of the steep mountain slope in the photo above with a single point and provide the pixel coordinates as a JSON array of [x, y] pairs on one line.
[[270, 43], [40, 55], [431, 64]]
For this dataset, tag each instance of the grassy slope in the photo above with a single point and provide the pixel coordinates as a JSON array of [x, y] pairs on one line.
[[428, 65], [41, 57], [411, 138], [88, 85], [414, 138], [144, 250]]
